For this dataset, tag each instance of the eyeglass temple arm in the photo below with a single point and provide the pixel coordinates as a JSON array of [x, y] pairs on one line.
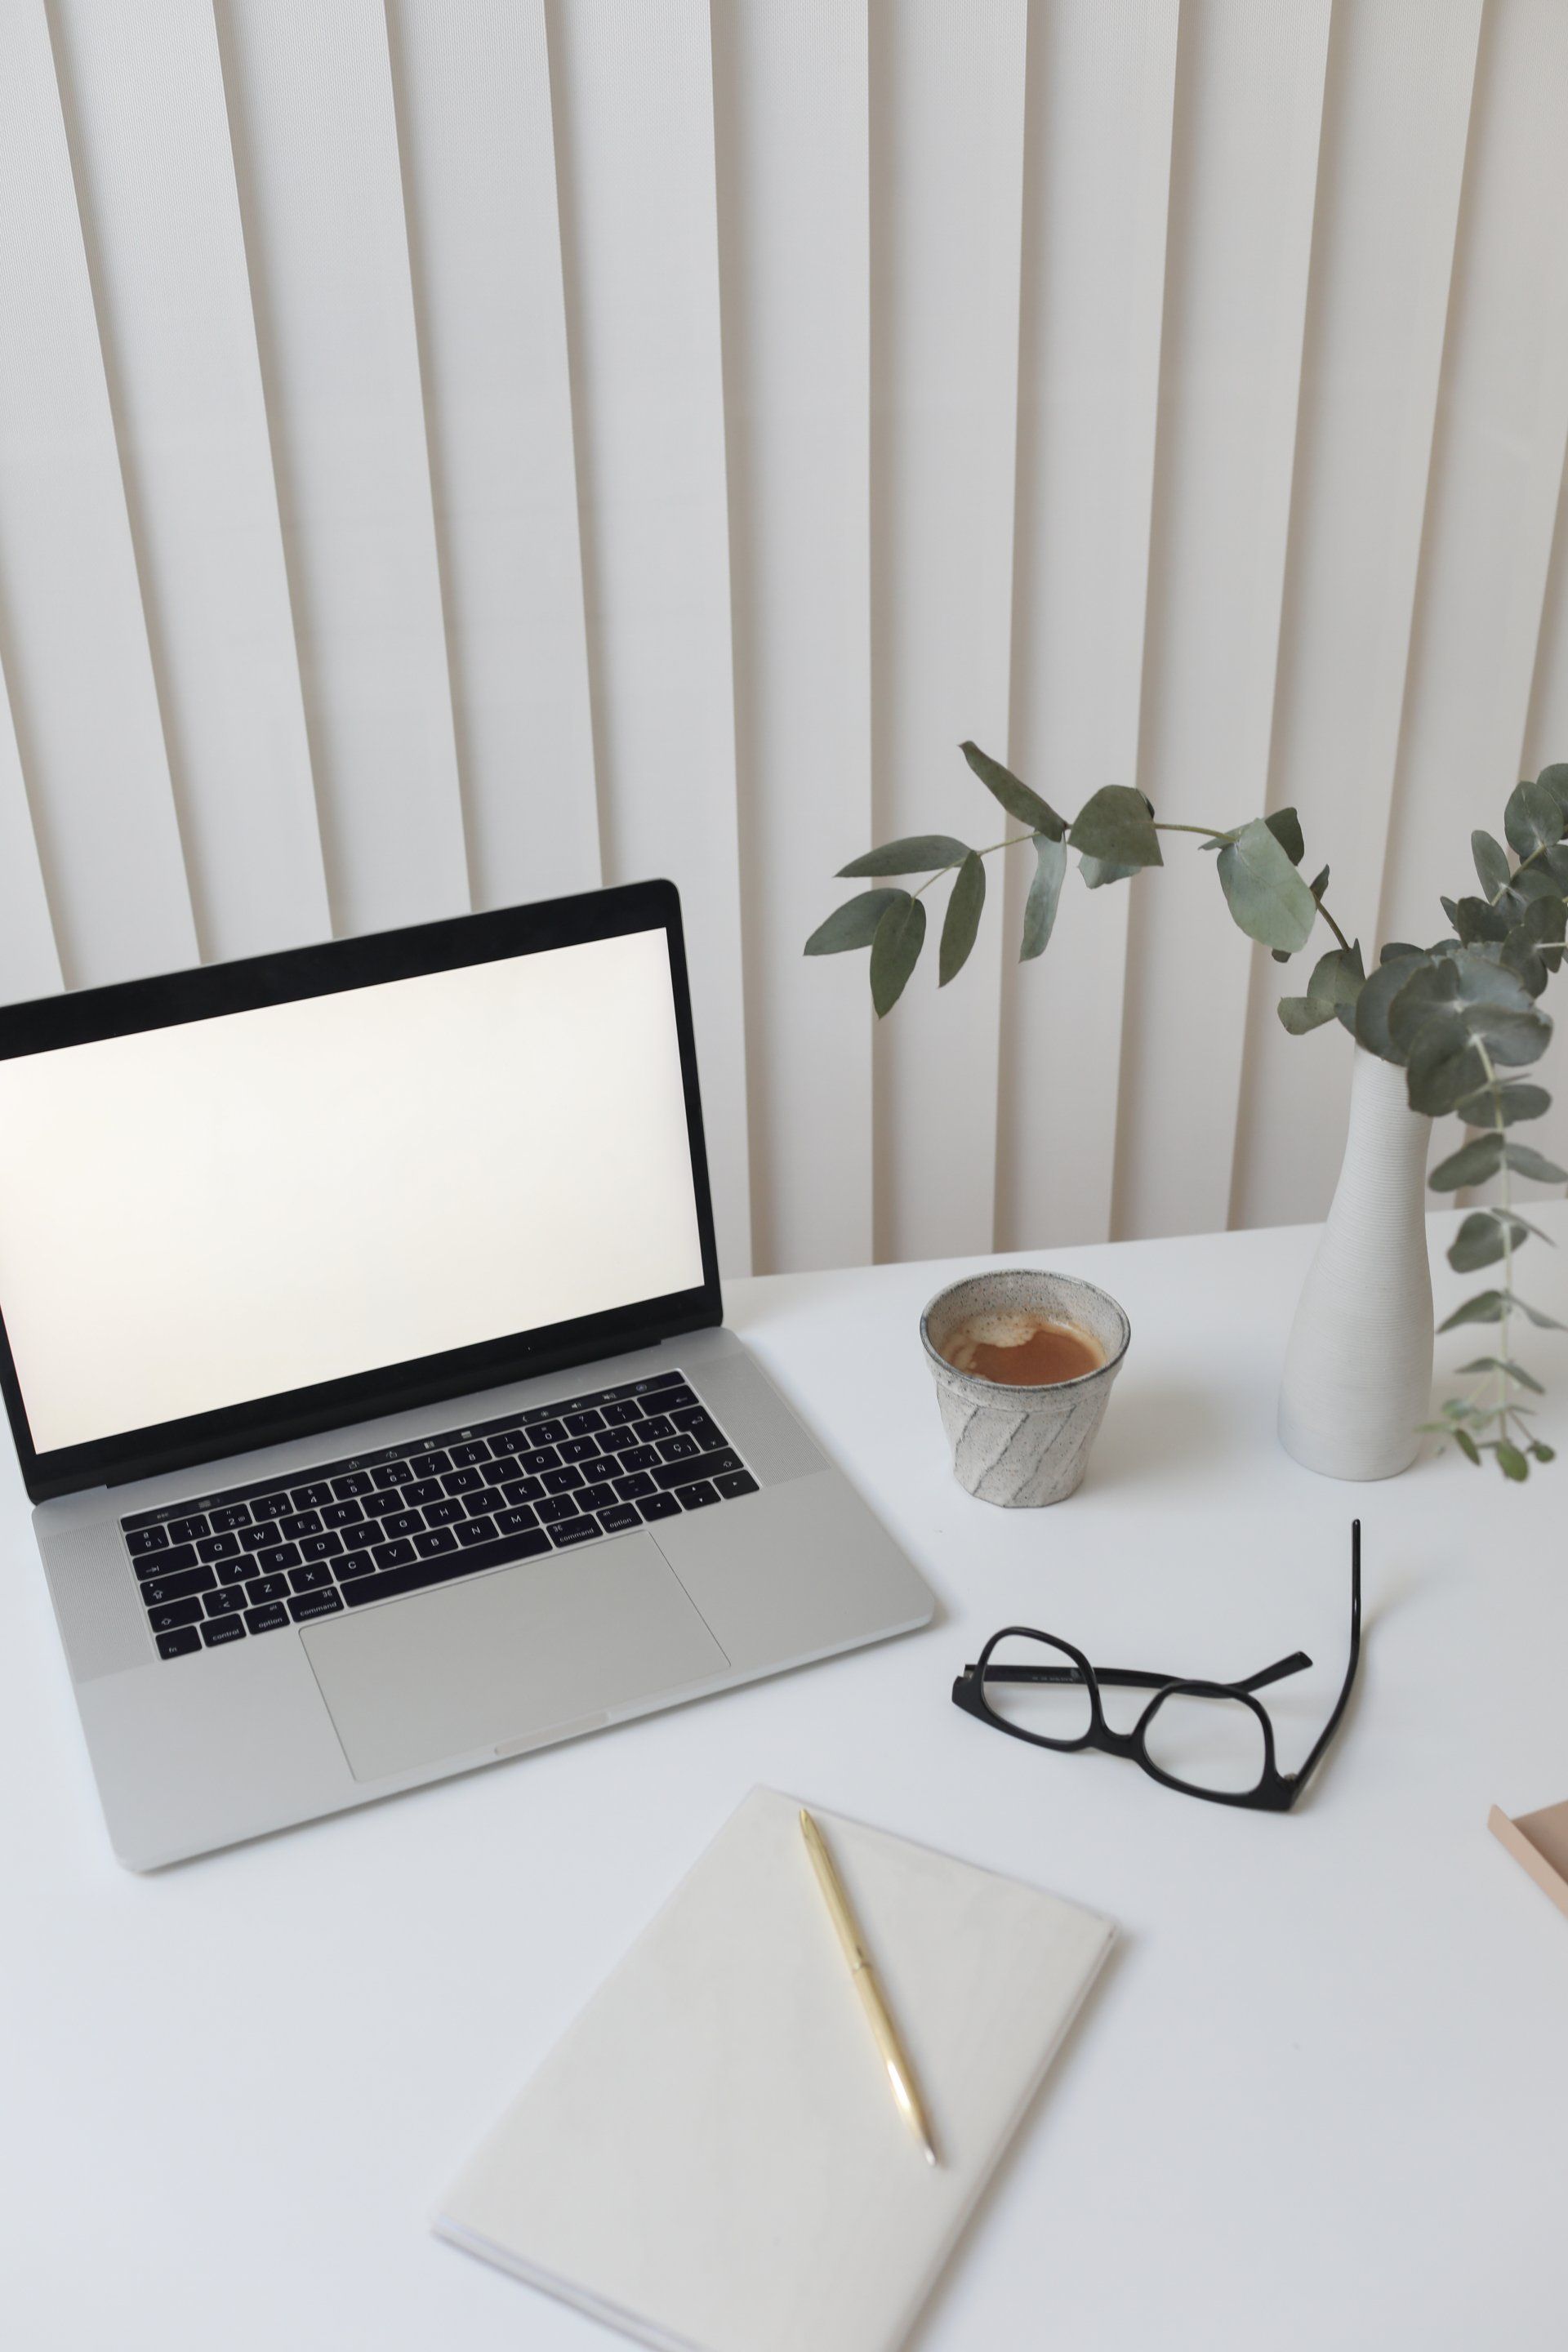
[[1127, 1678], [1333, 1725]]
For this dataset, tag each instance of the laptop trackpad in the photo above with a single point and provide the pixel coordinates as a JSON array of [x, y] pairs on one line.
[[471, 1666]]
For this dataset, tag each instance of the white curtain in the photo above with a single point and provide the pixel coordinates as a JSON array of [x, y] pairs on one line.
[[454, 451]]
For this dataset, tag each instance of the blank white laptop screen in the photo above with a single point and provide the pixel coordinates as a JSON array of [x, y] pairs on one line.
[[201, 1215]]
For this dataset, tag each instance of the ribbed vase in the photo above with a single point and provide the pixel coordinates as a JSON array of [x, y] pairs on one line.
[[1358, 1368]]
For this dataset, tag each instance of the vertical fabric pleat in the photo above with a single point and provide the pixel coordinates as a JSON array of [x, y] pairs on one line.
[[453, 452]]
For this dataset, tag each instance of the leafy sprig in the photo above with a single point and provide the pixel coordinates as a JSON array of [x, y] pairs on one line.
[[1456, 1016]]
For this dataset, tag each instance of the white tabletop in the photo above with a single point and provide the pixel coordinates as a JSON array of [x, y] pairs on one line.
[[1319, 2100]]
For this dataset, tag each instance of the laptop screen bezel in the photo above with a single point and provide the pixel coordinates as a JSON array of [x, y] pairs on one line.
[[87, 1015]]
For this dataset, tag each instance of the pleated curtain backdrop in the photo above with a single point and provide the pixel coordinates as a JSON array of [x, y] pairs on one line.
[[456, 451]]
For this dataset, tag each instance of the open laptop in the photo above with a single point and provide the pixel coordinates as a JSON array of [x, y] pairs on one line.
[[363, 1346]]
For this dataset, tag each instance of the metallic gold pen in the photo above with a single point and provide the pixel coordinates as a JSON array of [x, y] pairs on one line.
[[901, 2074]]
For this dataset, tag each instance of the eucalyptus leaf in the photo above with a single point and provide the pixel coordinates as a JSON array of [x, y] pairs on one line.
[[966, 900], [1485, 1307], [1510, 1461], [1399, 951], [1098, 871], [1476, 918], [853, 924], [1339, 976], [1015, 795], [895, 952], [921, 852], [1319, 886], [1473, 1163], [1533, 882], [1491, 862], [1045, 893], [1512, 1103], [1374, 1004], [1286, 827], [1535, 1164], [1266, 897], [1467, 1445], [1543, 1452], [1485, 1236], [1300, 1014], [1543, 1322], [1444, 1064], [1114, 824], [1501, 1364], [1554, 780], [1532, 820]]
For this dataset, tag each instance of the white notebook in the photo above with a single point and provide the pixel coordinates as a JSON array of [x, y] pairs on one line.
[[711, 2158]]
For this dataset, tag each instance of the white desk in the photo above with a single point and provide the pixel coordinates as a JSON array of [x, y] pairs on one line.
[[1319, 2101]]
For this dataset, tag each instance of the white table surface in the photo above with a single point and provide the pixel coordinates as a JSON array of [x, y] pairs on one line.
[[1319, 2100]]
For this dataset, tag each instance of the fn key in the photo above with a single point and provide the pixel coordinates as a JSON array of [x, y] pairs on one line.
[[179, 1643]]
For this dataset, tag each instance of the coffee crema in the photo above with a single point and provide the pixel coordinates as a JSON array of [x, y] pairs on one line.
[[1022, 1350]]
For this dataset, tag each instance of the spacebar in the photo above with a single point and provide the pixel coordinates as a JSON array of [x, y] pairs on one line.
[[394, 1581]]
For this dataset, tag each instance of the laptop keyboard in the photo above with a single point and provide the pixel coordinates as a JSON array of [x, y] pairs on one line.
[[231, 1566]]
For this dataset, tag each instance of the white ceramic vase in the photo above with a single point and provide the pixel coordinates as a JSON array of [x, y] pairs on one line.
[[1358, 1369]]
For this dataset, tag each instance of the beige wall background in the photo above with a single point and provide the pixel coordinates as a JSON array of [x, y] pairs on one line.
[[461, 450]]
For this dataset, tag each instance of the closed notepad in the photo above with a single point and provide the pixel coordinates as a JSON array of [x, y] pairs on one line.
[[710, 2157]]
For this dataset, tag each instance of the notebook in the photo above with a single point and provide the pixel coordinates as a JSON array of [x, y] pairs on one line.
[[711, 2158]]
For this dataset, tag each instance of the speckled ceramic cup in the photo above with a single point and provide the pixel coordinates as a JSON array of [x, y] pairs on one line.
[[1022, 1446]]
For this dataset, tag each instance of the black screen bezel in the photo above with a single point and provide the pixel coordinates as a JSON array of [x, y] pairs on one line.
[[89, 1015]]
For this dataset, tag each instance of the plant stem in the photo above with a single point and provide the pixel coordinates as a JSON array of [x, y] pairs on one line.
[[1505, 1203], [1012, 844]]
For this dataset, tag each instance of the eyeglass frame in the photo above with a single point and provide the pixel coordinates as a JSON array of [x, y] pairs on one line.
[[1276, 1792]]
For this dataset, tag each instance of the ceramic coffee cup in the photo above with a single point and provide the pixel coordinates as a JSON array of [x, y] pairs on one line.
[[1022, 1446]]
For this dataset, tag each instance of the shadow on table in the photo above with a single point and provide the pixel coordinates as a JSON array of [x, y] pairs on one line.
[[1156, 1428]]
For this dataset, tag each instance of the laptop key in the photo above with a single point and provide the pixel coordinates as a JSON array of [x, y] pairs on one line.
[[618, 1517], [632, 1489], [173, 1614], [424, 1490], [578, 1530], [341, 1515], [561, 1482], [362, 1537], [475, 1451], [299, 1523], [402, 1523], [640, 1457], [547, 1432], [542, 1457], [578, 1449], [147, 1539], [462, 1482], [503, 1553], [628, 1410], [226, 1601], [511, 1522], [733, 1483], [166, 1563], [681, 1395], [311, 1499], [268, 1588], [659, 1506], [180, 1644], [594, 1498], [476, 1531], [158, 1590], [484, 1499], [522, 1490], [315, 1604], [656, 1425], [509, 1441], [354, 1563], [281, 1556], [218, 1630], [271, 1506], [188, 1530], [706, 1465], [550, 1508], [352, 1483], [312, 1578], [576, 1424], [436, 1543], [396, 1554], [268, 1619], [233, 1571], [258, 1539], [681, 1449], [322, 1547], [693, 1497], [218, 1547], [233, 1514], [391, 1474], [430, 1465]]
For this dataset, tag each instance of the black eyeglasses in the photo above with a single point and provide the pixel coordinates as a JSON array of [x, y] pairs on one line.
[[1203, 1739]]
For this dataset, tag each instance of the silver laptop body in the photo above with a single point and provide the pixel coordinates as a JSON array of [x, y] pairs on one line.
[[587, 1502]]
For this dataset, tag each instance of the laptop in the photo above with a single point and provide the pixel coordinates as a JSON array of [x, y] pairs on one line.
[[364, 1353]]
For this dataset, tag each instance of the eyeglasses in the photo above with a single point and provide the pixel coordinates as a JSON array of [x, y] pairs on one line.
[[1203, 1739]]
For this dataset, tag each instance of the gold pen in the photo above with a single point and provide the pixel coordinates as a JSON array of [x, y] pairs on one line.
[[901, 2074]]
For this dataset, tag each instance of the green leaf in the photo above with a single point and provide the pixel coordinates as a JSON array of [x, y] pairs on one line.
[[1398, 950], [1543, 1322], [1491, 862], [1485, 1307], [964, 903], [1485, 1236], [853, 924], [1115, 826], [1444, 1064], [1554, 780], [1372, 1006], [1286, 827], [1532, 819], [1098, 871], [922, 852], [1467, 1445], [1526, 1163], [1543, 1452], [1513, 1103], [1318, 886], [1533, 947], [895, 952], [1501, 1364], [1537, 881], [1266, 898], [1473, 1163], [1464, 985], [1014, 794], [1045, 892], [1476, 918], [1338, 977], [1510, 1461], [1300, 1014]]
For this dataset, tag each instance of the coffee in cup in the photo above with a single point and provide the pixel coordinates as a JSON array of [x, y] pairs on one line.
[[1022, 1348]]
